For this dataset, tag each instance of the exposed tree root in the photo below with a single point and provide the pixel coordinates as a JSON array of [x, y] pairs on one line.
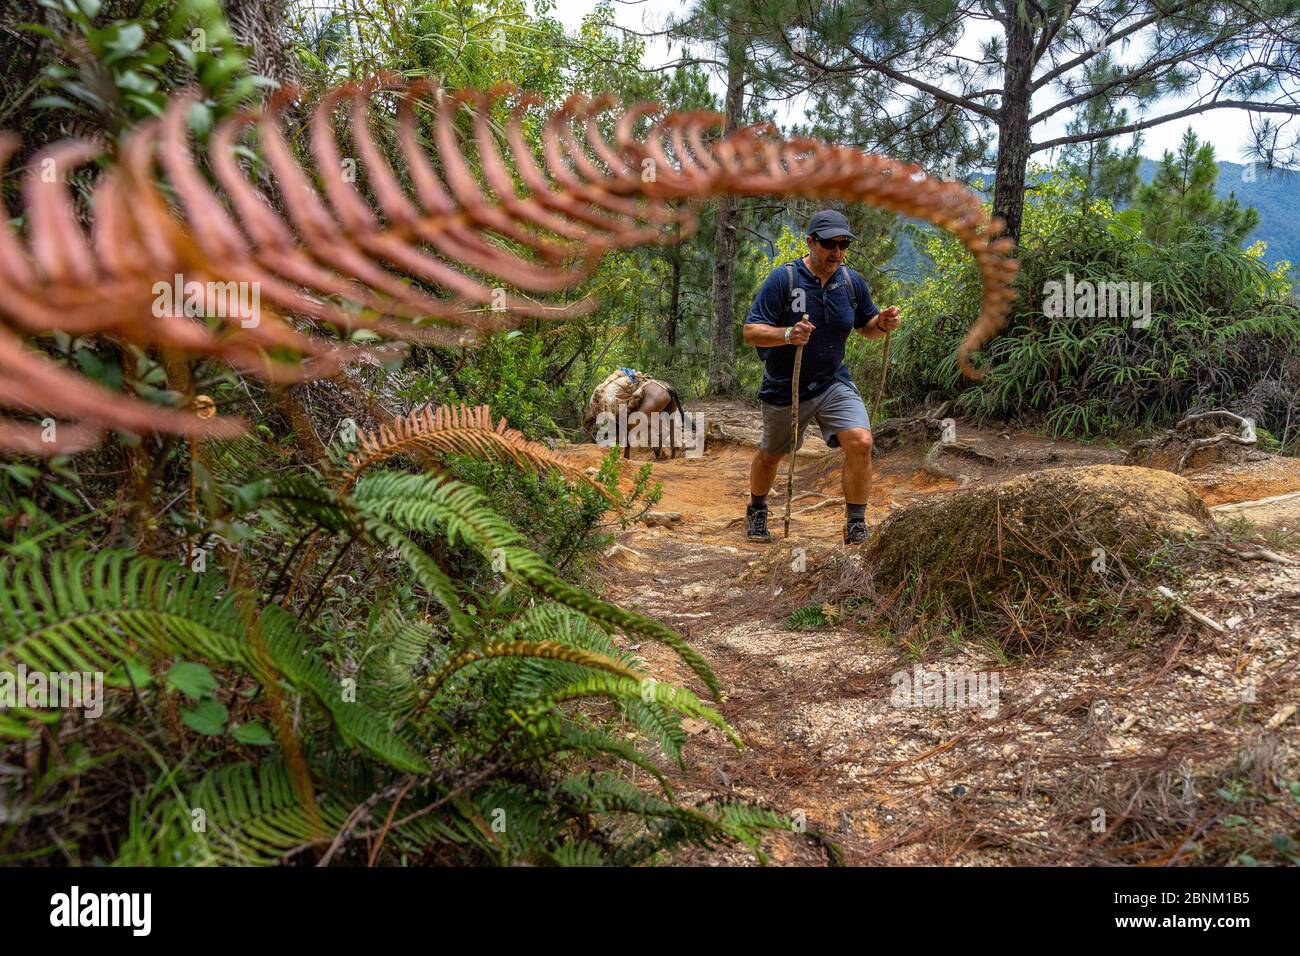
[[894, 432], [1177, 446]]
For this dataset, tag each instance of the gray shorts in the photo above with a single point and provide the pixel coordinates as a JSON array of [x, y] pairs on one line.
[[839, 407]]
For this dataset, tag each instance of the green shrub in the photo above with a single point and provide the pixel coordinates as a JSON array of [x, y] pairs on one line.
[[1223, 332]]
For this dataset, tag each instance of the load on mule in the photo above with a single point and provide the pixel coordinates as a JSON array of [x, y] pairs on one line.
[[624, 394]]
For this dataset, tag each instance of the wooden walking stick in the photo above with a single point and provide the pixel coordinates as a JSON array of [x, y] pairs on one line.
[[794, 432]]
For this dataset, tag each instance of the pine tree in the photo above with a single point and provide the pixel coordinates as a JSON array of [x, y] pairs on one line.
[[1107, 172], [1179, 203], [949, 77]]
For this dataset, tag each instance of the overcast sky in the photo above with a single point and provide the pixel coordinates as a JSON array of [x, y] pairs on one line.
[[1228, 130]]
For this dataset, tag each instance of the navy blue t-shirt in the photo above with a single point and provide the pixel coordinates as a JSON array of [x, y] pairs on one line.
[[829, 309]]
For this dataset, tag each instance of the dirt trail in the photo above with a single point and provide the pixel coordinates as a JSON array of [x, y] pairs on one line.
[[1129, 735]]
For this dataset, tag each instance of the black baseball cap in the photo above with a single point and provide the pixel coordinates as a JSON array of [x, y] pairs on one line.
[[829, 223]]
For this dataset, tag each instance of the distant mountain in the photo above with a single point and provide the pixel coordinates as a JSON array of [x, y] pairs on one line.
[[1276, 195]]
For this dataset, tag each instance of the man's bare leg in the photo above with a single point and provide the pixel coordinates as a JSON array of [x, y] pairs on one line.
[[762, 472], [856, 478]]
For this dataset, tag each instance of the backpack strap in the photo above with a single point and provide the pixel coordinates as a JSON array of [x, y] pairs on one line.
[[853, 289]]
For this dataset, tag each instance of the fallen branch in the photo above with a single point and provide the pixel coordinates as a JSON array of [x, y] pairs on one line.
[[1255, 554], [619, 549], [897, 430], [1190, 611], [930, 465], [1263, 554], [835, 500]]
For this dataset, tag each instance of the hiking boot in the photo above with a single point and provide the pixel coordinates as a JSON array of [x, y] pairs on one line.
[[856, 532], [756, 522]]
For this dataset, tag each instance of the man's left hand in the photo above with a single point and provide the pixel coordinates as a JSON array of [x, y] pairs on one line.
[[887, 320]]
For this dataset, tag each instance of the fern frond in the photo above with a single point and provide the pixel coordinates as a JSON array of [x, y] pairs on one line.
[[806, 618], [89, 612], [344, 254], [357, 723], [456, 429], [660, 724], [605, 793], [591, 743], [555, 622], [433, 503], [543, 649], [582, 853], [536, 679], [252, 816], [537, 573], [309, 503], [426, 571], [677, 699], [398, 649], [92, 612], [558, 624], [710, 825]]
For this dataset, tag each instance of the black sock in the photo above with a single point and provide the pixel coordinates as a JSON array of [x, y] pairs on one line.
[[758, 502], [856, 512]]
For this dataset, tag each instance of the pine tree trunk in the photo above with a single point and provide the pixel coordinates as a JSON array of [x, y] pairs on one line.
[[675, 300], [260, 26], [722, 359], [1013, 127]]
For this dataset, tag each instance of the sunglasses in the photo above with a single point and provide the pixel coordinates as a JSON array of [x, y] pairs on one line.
[[834, 243]]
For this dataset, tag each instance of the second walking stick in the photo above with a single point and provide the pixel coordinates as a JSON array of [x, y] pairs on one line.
[[794, 432]]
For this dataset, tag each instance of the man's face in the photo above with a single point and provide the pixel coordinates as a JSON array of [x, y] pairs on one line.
[[824, 260]]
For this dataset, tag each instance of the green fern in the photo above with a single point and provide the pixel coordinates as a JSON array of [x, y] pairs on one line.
[[524, 695], [550, 650], [536, 679], [251, 816], [95, 612], [678, 699], [807, 618], [357, 723], [437, 505], [398, 649]]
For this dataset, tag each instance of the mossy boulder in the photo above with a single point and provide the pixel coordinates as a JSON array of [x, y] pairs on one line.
[[1042, 533]]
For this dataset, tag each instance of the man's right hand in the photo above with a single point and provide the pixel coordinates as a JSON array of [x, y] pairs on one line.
[[802, 332], [765, 336]]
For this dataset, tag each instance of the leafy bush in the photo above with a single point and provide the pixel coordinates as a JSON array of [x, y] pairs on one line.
[[117, 70], [565, 524], [1223, 332]]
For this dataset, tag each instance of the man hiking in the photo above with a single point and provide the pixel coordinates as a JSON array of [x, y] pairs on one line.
[[816, 302]]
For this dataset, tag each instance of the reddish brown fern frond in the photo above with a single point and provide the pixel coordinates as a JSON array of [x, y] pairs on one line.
[[440, 251], [456, 429]]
